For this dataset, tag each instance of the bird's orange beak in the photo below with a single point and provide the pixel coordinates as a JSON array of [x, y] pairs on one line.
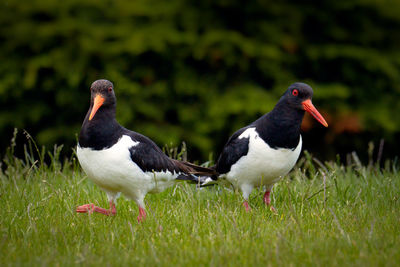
[[309, 107], [98, 101]]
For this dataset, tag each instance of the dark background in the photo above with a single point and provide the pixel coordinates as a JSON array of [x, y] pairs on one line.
[[196, 71]]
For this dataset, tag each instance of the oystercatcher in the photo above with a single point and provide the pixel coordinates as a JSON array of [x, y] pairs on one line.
[[122, 161], [261, 153]]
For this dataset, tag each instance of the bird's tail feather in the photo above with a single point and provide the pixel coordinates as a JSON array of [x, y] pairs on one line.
[[202, 176], [200, 181]]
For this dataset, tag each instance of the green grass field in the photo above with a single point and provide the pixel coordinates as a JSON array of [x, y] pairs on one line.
[[328, 215]]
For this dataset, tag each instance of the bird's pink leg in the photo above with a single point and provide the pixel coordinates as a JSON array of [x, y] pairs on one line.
[[90, 208], [267, 200], [142, 215], [246, 205]]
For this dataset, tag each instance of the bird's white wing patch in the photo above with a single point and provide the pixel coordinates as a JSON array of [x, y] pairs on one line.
[[248, 132]]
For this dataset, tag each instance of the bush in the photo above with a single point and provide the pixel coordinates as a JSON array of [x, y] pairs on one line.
[[197, 71]]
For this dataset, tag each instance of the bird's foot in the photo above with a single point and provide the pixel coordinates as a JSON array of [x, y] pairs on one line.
[[87, 208], [246, 205], [142, 215], [90, 208], [267, 198], [267, 201], [273, 210]]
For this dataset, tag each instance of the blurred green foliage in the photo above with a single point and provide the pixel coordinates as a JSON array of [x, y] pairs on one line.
[[196, 71]]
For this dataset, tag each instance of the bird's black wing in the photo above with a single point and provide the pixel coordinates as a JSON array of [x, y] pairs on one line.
[[149, 157], [234, 149]]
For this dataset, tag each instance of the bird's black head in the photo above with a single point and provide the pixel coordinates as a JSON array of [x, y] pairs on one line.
[[298, 96], [102, 96]]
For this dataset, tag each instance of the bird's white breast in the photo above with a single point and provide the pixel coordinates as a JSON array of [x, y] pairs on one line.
[[113, 170], [262, 165]]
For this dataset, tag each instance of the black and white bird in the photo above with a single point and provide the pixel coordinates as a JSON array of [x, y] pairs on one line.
[[261, 153], [122, 161]]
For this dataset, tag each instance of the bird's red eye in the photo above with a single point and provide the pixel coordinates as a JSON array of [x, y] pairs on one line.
[[109, 89], [295, 92]]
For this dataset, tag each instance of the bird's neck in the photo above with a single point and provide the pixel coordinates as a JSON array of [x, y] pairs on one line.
[[281, 127], [102, 131]]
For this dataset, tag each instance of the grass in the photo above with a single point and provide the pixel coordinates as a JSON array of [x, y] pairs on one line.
[[328, 215]]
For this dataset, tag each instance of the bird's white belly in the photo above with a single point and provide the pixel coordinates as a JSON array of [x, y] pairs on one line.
[[113, 170], [262, 165]]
